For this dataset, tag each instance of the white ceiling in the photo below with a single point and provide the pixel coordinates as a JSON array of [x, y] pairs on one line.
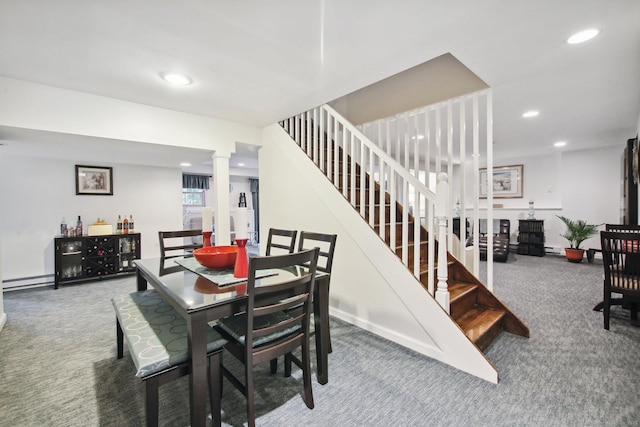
[[257, 62]]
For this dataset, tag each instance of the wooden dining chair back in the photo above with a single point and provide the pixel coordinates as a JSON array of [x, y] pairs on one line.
[[326, 243], [178, 243], [266, 331], [621, 260], [283, 241]]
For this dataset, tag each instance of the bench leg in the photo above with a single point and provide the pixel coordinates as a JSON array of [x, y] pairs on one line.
[[119, 339]]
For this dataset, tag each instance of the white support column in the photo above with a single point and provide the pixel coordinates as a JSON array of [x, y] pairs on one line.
[[442, 212], [221, 201]]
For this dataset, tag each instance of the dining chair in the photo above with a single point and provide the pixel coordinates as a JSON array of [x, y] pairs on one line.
[[266, 331], [173, 241], [282, 240], [327, 246], [156, 337], [621, 261]]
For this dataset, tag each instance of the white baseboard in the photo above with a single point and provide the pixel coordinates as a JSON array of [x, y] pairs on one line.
[[27, 282]]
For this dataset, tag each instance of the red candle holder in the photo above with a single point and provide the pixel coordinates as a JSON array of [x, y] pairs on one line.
[[206, 238], [241, 269]]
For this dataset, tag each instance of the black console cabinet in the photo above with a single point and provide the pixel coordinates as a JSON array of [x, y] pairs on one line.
[[531, 237], [86, 258]]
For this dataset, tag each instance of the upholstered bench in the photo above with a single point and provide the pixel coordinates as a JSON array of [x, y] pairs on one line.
[[156, 336]]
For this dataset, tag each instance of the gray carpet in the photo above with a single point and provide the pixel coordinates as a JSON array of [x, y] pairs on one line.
[[58, 365]]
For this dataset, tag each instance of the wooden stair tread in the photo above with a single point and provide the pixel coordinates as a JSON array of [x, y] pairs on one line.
[[481, 325], [459, 290]]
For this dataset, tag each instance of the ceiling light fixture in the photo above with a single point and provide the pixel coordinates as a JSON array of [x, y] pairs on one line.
[[560, 144], [185, 164], [176, 79], [240, 164], [583, 36], [530, 114]]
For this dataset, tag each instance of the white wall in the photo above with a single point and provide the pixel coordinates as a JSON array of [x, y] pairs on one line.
[[581, 184], [36, 193]]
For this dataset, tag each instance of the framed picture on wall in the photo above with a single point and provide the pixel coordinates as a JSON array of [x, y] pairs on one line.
[[94, 180], [506, 182]]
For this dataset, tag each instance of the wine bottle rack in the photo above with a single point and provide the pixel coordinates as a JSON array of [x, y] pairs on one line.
[[86, 258]]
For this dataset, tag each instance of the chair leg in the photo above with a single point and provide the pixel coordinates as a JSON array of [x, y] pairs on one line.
[[306, 375], [215, 387], [119, 339], [274, 365], [251, 414], [606, 308], [287, 365], [151, 404], [634, 310]]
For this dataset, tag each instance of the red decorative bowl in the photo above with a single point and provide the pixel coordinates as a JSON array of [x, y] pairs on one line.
[[217, 257]]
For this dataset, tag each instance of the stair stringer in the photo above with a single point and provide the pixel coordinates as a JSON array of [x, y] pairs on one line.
[[370, 287]]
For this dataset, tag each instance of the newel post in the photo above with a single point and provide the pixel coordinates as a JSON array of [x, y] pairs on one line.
[[442, 212]]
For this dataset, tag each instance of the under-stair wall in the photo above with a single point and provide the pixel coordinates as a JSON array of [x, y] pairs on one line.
[[370, 286]]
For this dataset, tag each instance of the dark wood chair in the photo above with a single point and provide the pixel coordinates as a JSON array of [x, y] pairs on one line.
[[284, 241], [266, 331], [156, 336], [173, 244], [326, 244], [501, 238], [621, 260]]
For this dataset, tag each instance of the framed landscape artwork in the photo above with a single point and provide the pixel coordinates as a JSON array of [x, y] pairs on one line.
[[94, 180], [507, 182]]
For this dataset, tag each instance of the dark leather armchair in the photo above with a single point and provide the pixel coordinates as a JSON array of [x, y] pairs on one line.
[[501, 237]]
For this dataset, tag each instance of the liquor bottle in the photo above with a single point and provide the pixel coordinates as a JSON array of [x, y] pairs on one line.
[[119, 225], [131, 229], [79, 226], [63, 227], [125, 225]]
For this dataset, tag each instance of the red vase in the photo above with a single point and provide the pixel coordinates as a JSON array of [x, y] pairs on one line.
[[206, 238], [241, 269]]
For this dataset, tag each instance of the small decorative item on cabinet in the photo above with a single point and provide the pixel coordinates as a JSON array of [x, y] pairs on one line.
[[85, 258]]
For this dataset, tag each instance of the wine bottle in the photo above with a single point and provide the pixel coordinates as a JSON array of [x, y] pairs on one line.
[[63, 227], [119, 225], [131, 229], [79, 226], [125, 225]]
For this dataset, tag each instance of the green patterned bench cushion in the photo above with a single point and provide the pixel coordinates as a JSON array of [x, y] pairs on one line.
[[155, 333]]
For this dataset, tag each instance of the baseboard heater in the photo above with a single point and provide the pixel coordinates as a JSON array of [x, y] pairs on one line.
[[27, 282]]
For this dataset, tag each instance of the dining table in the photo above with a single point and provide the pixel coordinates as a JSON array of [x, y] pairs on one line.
[[201, 298]]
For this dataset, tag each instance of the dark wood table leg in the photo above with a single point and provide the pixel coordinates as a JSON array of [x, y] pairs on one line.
[[321, 322], [197, 335], [142, 282]]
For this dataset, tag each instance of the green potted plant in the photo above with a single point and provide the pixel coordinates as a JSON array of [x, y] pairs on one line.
[[577, 232]]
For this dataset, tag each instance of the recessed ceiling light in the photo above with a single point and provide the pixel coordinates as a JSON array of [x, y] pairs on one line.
[[583, 36], [185, 164], [240, 164], [560, 144], [529, 114], [176, 79]]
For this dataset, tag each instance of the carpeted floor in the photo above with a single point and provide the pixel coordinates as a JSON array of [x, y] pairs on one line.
[[58, 365]]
